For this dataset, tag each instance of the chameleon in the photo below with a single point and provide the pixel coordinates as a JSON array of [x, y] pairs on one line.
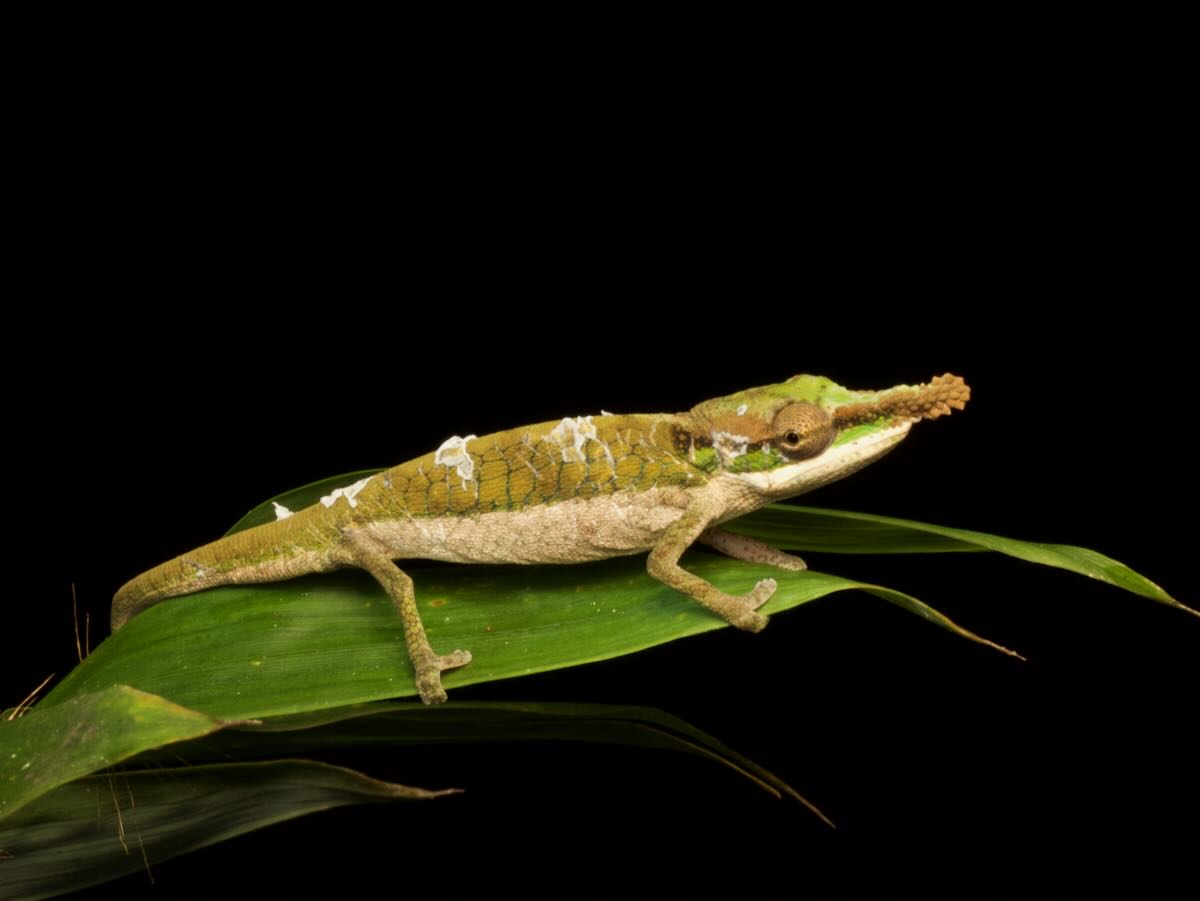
[[571, 490]]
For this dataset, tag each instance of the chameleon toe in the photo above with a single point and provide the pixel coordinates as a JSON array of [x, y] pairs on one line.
[[751, 622], [429, 676], [761, 594], [749, 619], [454, 660], [430, 689]]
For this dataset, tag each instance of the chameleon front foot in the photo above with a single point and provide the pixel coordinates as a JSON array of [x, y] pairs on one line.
[[748, 618], [429, 674], [742, 610]]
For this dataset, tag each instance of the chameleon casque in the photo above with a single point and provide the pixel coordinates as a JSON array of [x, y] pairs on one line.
[[576, 489]]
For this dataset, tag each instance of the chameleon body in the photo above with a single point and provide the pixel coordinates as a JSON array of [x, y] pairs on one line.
[[576, 489]]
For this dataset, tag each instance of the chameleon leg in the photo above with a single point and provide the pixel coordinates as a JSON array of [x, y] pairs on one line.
[[663, 564], [739, 547], [399, 586]]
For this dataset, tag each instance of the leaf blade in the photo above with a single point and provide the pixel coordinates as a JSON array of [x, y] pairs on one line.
[[796, 527], [54, 744], [101, 827], [247, 652], [403, 723]]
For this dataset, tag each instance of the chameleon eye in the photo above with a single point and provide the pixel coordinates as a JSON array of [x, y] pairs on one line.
[[802, 430]]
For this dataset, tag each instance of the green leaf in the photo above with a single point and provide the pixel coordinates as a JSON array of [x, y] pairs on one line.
[[403, 723], [113, 824], [51, 745], [101, 827], [245, 652], [309, 654], [281, 648], [836, 531]]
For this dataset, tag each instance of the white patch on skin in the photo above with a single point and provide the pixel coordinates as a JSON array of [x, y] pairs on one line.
[[281, 512], [574, 433], [453, 452], [349, 493], [606, 413], [741, 410], [729, 446], [611, 462]]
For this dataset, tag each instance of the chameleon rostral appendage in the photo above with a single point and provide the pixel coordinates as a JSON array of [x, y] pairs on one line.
[[570, 490]]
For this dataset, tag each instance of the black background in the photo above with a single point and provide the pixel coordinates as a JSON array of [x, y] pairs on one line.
[[253, 250]]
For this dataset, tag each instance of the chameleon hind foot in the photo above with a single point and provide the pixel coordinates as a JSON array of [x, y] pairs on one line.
[[429, 674], [743, 547], [427, 665]]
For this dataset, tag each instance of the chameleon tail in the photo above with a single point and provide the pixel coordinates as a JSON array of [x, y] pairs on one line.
[[164, 581], [267, 553]]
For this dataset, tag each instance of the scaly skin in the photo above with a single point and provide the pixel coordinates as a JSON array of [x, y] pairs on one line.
[[577, 489]]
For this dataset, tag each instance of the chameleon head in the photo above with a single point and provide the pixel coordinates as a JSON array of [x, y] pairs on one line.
[[785, 439]]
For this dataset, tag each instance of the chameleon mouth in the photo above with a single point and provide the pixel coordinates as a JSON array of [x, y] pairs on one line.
[[837, 462]]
